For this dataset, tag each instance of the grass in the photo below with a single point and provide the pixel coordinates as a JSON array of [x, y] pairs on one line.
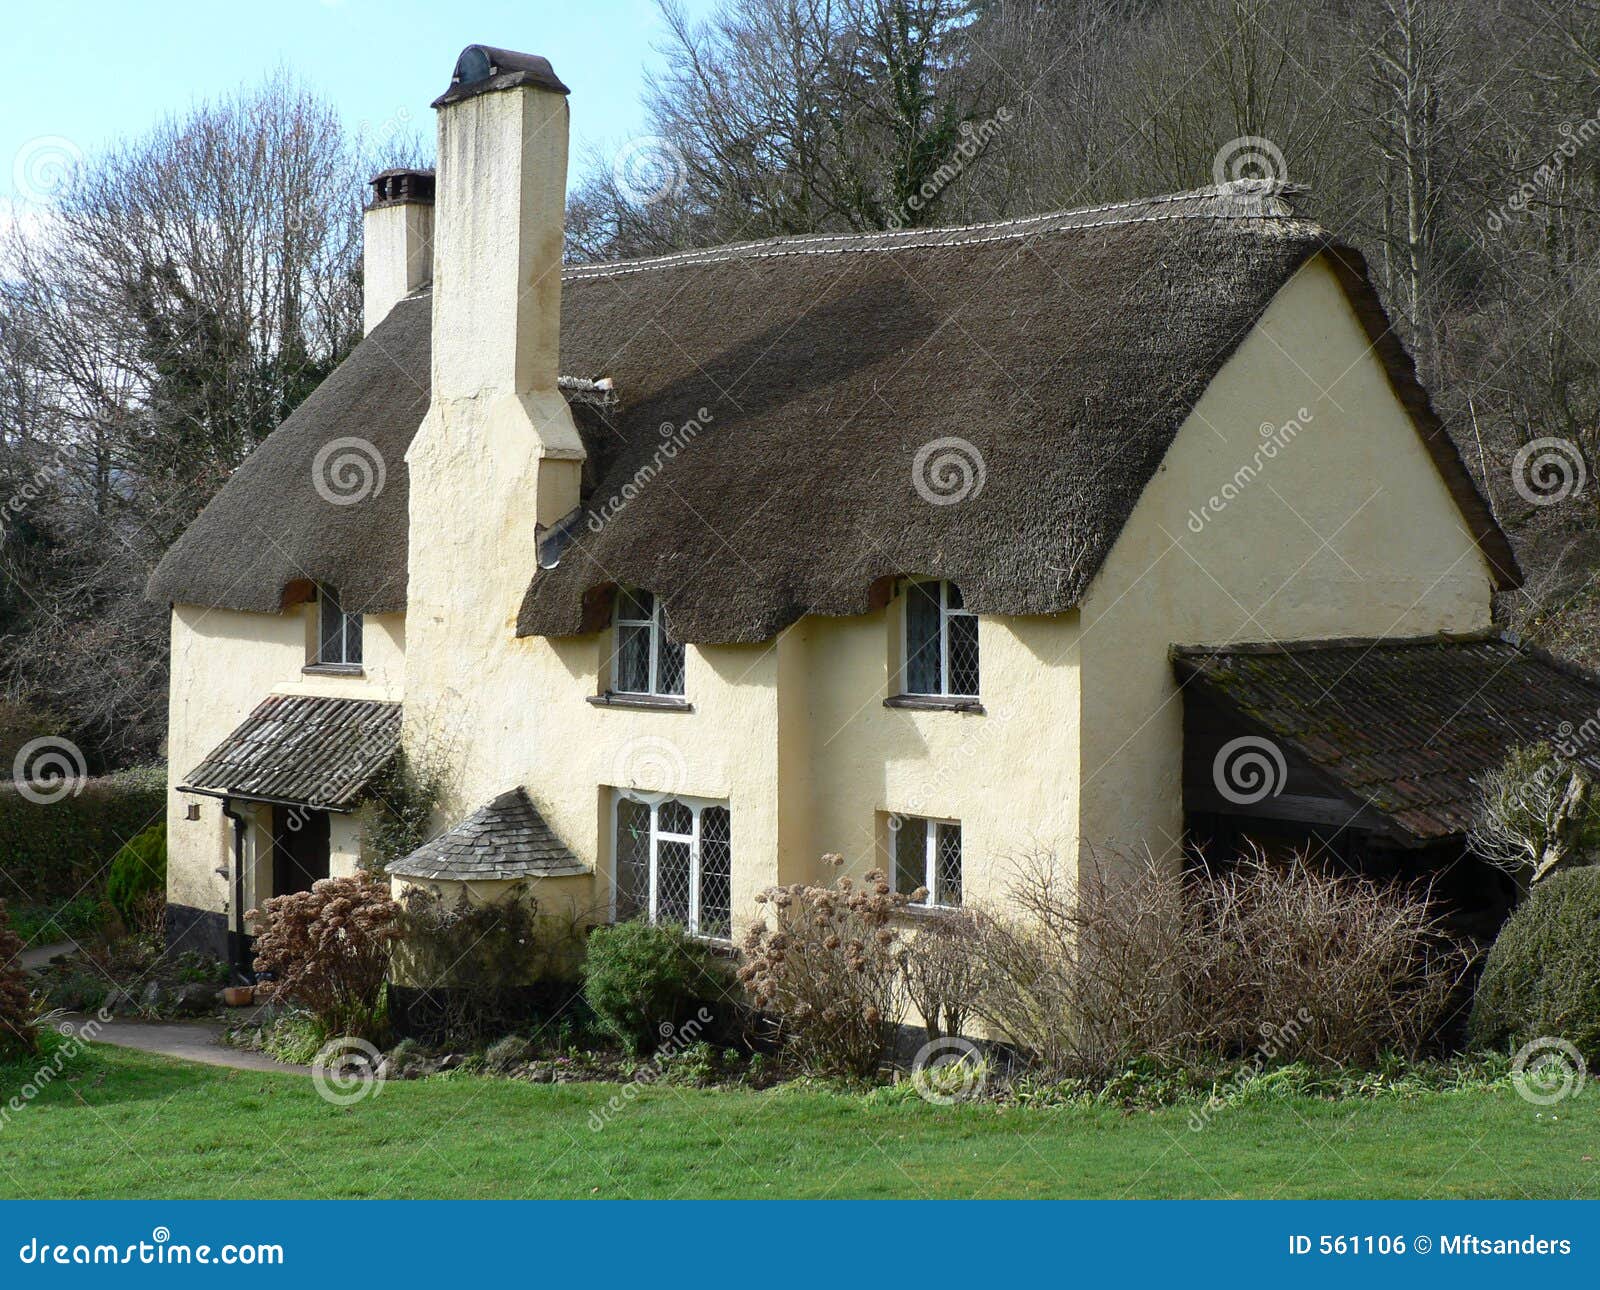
[[122, 1124]]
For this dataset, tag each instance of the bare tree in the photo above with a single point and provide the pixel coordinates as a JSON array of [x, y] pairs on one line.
[[177, 301], [1537, 814]]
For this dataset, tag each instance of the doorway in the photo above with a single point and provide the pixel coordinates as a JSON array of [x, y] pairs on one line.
[[299, 848]]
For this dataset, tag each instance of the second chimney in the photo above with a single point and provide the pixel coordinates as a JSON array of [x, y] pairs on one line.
[[397, 241]]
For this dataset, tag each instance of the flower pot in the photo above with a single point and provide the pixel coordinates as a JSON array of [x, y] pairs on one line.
[[239, 996]]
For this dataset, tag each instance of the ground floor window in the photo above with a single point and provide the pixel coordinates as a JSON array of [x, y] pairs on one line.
[[927, 854], [674, 863]]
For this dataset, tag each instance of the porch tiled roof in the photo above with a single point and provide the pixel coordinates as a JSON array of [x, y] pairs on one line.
[[304, 749], [507, 838], [1406, 727]]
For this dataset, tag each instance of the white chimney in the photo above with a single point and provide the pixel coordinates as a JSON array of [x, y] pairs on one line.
[[501, 220], [397, 241]]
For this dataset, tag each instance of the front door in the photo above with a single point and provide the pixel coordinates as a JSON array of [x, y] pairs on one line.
[[299, 848]]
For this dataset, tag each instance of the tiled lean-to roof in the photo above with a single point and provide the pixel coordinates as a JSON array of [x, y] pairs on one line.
[[507, 838], [1039, 368], [1405, 727], [302, 749]]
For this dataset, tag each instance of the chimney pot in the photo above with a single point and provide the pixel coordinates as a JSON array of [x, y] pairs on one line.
[[482, 68], [401, 185]]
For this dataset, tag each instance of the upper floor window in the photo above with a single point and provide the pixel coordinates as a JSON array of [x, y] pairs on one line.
[[674, 863], [927, 856], [941, 642], [647, 660], [338, 631]]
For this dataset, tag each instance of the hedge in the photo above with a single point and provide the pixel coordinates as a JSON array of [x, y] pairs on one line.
[[1542, 978], [54, 850]]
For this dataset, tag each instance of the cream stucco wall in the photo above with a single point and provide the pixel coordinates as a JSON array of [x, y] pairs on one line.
[[1345, 529], [223, 664]]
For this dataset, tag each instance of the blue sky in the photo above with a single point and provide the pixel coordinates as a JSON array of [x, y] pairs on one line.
[[87, 72]]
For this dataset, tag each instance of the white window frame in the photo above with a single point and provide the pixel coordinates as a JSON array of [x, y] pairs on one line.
[[945, 615], [930, 857], [656, 628], [328, 598], [654, 802]]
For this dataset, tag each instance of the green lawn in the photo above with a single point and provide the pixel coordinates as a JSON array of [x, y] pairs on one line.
[[130, 1125]]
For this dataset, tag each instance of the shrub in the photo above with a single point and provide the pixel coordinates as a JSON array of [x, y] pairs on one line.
[[646, 981], [942, 974], [76, 920], [56, 850], [19, 1014], [328, 949], [826, 970], [475, 970], [1132, 962], [397, 816], [139, 871], [1542, 977]]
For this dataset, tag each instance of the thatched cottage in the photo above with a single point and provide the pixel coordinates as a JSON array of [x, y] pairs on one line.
[[932, 548]]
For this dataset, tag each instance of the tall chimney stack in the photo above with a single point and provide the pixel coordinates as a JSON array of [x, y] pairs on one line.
[[397, 241], [502, 213]]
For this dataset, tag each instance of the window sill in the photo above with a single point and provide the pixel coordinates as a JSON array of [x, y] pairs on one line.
[[333, 669], [934, 703], [644, 702], [929, 913]]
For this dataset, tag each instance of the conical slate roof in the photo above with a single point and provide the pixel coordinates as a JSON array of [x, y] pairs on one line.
[[508, 838]]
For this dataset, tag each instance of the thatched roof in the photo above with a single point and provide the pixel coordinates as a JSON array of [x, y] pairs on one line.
[[1063, 350], [1406, 728], [270, 533]]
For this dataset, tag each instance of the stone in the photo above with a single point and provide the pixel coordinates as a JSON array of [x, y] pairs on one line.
[[155, 996], [193, 998]]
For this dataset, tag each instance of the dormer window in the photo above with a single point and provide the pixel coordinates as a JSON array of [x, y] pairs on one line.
[[338, 632], [941, 642], [646, 659]]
